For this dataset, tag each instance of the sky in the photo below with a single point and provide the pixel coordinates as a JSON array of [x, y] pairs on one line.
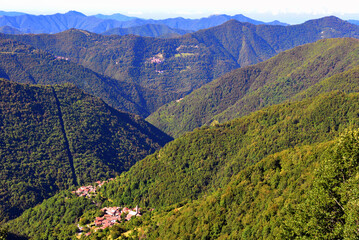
[[290, 11]]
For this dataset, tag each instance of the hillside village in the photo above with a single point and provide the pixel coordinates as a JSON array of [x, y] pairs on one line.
[[87, 191], [239, 131], [111, 216]]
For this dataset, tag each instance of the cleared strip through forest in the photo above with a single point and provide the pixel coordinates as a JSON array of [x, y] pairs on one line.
[[67, 146]]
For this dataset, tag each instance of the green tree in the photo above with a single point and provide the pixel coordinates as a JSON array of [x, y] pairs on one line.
[[331, 210], [3, 233]]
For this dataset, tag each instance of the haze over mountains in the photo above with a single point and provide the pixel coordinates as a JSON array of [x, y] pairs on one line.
[[55, 23], [148, 30], [100, 23], [173, 68], [265, 120]]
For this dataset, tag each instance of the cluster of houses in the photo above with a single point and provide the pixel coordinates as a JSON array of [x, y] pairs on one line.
[[87, 191], [156, 60], [178, 100], [62, 58], [112, 215]]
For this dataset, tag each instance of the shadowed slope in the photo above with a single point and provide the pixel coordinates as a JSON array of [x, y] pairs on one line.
[[54, 137]]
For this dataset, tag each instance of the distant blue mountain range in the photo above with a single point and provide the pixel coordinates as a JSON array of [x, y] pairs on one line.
[[356, 22], [27, 23], [149, 30]]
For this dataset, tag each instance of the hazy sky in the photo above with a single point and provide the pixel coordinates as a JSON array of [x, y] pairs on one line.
[[291, 10]]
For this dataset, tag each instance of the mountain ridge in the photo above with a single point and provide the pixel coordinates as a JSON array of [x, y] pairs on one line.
[[247, 89], [28, 23], [180, 65], [215, 165], [23, 63], [55, 137], [148, 30], [266, 151]]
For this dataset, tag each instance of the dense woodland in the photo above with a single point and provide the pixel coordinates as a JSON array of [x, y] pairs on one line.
[[25, 64], [304, 71], [303, 192], [56, 137], [266, 151], [172, 68], [212, 180]]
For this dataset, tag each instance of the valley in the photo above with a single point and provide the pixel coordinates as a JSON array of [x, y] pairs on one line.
[[225, 127], [183, 64], [55, 137]]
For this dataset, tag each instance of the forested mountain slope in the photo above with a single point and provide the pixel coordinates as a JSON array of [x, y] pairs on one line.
[[9, 30], [25, 64], [306, 192], [178, 66], [54, 137], [173, 66], [218, 166], [148, 30], [207, 158], [254, 205], [326, 65]]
